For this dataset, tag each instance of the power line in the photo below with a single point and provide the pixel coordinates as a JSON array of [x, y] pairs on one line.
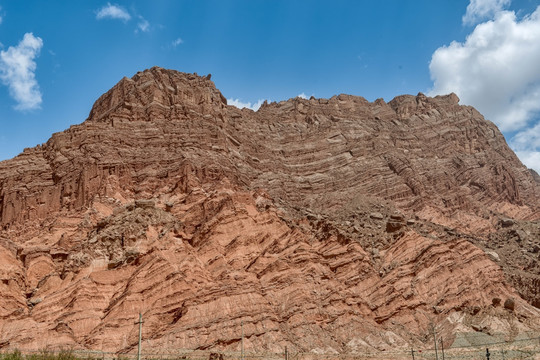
[[269, 355]]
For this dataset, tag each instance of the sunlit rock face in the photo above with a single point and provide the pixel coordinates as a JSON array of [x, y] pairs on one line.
[[327, 225]]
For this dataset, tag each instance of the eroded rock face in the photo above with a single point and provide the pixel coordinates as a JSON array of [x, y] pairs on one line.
[[323, 224]]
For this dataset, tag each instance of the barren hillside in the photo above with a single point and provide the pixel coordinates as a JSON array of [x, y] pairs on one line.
[[333, 225]]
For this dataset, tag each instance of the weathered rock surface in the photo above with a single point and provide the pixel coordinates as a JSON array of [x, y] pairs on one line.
[[323, 224]]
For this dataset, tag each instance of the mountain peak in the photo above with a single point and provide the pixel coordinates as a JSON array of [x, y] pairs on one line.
[[157, 90]]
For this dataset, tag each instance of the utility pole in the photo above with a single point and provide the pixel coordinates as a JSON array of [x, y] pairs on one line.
[[442, 348], [435, 340], [140, 337], [242, 344]]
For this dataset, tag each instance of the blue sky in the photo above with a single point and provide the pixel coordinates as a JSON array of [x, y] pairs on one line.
[[58, 57]]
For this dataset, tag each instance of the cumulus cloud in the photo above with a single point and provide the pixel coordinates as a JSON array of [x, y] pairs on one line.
[[527, 138], [17, 71], [530, 158], [496, 70], [239, 104], [113, 11], [302, 96], [478, 10], [526, 144]]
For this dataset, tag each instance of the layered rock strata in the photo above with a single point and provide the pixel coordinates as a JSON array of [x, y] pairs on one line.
[[333, 225]]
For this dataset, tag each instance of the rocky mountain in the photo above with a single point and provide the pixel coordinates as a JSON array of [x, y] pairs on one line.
[[325, 225]]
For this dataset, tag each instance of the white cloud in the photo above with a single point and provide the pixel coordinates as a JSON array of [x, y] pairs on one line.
[[17, 71], [527, 138], [302, 96], [526, 144], [177, 42], [530, 158], [143, 25], [239, 104], [113, 11], [496, 69], [479, 10]]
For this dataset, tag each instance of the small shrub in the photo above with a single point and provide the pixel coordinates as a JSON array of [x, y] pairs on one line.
[[42, 355], [15, 355]]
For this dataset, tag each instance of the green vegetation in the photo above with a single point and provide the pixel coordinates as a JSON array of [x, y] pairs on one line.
[[42, 355]]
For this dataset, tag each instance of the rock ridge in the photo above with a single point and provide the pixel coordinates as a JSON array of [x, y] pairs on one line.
[[337, 224]]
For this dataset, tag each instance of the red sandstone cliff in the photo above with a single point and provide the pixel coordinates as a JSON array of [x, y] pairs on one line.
[[323, 224]]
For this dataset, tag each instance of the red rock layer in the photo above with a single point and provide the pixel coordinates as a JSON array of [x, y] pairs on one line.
[[428, 155], [308, 261]]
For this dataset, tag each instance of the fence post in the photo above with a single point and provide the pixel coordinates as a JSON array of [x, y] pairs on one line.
[[412, 353], [140, 337], [435, 340]]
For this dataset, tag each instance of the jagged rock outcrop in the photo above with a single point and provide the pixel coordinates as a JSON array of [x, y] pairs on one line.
[[322, 224]]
